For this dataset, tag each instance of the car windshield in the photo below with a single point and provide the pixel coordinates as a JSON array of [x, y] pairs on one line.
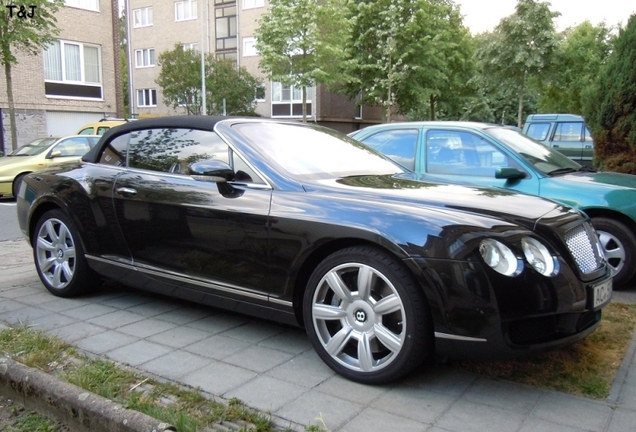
[[34, 147], [545, 159], [314, 152]]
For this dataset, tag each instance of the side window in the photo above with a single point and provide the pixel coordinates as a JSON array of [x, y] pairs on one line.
[[172, 150], [115, 151], [102, 130], [568, 131], [588, 135], [399, 145], [244, 174], [73, 147], [538, 131], [86, 131], [462, 153]]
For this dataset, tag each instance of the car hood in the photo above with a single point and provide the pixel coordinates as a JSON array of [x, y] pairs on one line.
[[524, 210]]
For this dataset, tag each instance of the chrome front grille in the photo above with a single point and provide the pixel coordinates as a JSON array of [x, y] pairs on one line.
[[583, 245]]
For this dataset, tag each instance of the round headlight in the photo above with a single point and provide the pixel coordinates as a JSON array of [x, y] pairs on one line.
[[539, 257], [499, 256]]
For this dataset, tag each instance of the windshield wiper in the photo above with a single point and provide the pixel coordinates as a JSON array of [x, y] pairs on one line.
[[560, 171]]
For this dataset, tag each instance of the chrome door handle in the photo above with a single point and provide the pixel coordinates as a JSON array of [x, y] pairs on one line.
[[126, 192]]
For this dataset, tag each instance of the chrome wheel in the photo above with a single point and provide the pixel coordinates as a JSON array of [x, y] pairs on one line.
[[55, 253], [614, 251], [359, 317]]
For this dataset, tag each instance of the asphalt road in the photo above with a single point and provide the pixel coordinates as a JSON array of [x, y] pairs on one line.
[[8, 221]]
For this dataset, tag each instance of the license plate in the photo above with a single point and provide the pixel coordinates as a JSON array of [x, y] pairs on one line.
[[602, 293]]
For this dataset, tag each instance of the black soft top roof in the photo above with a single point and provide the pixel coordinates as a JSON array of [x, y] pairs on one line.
[[188, 122]]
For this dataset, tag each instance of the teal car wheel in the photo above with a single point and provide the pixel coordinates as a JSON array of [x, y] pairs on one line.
[[619, 245]]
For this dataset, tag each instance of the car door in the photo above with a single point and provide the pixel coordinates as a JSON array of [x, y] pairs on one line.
[[461, 156], [211, 235], [567, 138]]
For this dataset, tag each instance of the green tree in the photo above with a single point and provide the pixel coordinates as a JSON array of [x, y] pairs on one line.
[[300, 43], [27, 34], [610, 108], [522, 47], [405, 54], [581, 53], [229, 90]]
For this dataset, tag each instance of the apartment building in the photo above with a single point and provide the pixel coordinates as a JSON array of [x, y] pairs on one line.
[[225, 28], [72, 82]]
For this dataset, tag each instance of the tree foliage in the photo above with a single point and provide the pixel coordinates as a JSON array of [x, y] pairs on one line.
[[581, 53], [300, 42], [229, 90], [522, 47], [27, 34], [610, 108]]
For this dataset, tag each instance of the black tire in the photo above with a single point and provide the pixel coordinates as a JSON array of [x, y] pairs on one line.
[[372, 336], [59, 256], [17, 181], [619, 244]]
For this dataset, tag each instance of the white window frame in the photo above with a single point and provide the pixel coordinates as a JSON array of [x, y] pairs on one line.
[[252, 4], [295, 97], [249, 47], [147, 58], [143, 95], [92, 5], [185, 10], [63, 61], [142, 17], [190, 46]]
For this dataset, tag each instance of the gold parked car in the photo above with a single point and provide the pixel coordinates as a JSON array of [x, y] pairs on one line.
[[101, 126], [39, 154]]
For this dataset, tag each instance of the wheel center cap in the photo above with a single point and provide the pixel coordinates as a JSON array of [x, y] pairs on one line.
[[60, 253], [361, 316]]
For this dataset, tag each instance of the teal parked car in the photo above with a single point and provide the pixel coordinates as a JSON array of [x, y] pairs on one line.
[[492, 155]]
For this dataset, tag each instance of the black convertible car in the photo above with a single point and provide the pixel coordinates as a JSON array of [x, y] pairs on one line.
[[303, 225]]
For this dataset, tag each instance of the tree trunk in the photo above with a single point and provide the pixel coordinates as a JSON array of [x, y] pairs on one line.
[[304, 104], [14, 130], [431, 103], [521, 92]]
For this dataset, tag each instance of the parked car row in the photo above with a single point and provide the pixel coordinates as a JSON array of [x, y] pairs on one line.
[[383, 266], [494, 156]]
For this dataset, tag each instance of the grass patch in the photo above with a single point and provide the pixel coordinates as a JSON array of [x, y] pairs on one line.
[[184, 408], [586, 368]]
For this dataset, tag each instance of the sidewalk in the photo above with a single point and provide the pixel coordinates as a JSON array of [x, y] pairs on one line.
[[273, 367]]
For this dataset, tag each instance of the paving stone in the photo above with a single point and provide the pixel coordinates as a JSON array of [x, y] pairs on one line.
[[320, 409], [266, 393], [105, 341], [305, 370], [371, 419], [258, 358], [178, 337], [465, 416], [572, 411], [415, 403], [217, 347], [218, 378], [138, 352], [175, 364]]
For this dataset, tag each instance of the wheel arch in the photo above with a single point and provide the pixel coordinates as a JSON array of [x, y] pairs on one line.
[[611, 214]]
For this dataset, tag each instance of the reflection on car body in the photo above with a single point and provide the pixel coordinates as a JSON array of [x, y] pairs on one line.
[[301, 224]]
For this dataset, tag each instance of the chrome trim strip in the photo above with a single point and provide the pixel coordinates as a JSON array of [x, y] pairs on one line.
[[459, 338], [281, 302], [115, 261], [228, 288]]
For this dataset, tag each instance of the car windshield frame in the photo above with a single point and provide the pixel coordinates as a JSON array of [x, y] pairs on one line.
[[314, 152], [544, 159], [34, 147]]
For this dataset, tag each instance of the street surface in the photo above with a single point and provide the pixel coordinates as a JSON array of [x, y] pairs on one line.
[[8, 220]]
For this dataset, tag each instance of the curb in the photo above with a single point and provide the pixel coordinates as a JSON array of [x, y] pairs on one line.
[[77, 408]]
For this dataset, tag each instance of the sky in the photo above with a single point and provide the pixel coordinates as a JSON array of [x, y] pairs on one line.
[[484, 15]]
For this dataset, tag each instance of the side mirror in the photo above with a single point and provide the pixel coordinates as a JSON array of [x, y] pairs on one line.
[[211, 170], [56, 153], [509, 173]]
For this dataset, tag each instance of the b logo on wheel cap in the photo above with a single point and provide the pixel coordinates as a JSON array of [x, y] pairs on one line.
[[361, 316]]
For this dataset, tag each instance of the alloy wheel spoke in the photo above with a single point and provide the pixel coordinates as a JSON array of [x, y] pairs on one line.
[[44, 245], [66, 269], [57, 276], [388, 304], [365, 281], [388, 338], [338, 341], [328, 312], [46, 265], [338, 286], [50, 229], [365, 355]]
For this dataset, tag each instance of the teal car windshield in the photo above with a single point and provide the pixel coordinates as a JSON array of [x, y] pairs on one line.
[[544, 159], [33, 148]]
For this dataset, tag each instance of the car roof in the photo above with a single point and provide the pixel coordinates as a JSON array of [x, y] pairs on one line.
[[439, 123], [187, 121], [554, 117]]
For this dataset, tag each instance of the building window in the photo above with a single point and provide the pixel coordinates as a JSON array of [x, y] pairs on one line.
[[249, 47], [260, 93], [144, 58], [72, 69], [142, 17], [251, 4], [228, 56], [146, 98], [287, 101], [185, 10], [190, 46], [225, 21], [83, 4]]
